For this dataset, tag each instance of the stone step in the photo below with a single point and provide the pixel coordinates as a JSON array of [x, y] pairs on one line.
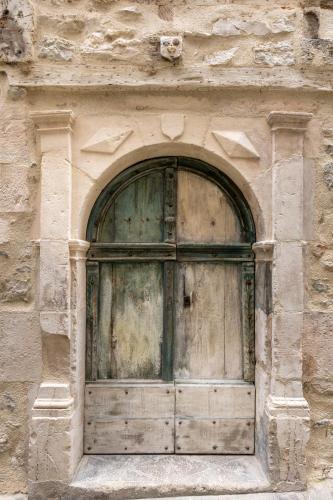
[[122, 477]]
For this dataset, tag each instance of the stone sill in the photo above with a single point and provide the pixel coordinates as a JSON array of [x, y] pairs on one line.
[[146, 476]]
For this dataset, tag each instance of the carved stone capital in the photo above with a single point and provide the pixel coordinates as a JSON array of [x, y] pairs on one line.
[[263, 250], [53, 121], [53, 131], [78, 249], [286, 120]]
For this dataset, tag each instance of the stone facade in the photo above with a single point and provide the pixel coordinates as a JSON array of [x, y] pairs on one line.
[[86, 93]]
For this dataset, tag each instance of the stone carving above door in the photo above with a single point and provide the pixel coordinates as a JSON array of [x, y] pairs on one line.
[[171, 47], [172, 125], [236, 144], [107, 140]]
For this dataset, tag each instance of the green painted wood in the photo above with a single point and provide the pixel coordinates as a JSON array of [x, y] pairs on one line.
[[104, 350], [170, 204], [108, 252], [137, 320], [92, 319], [168, 321], [247, 304], [137, 212]]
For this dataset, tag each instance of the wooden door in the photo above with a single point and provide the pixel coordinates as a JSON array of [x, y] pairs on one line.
[[214, 405], [170, 316]]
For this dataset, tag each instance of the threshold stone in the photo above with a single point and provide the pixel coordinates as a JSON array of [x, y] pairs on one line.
[[147, 476]]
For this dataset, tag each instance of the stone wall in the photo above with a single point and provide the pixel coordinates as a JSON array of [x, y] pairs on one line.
[[241, 59]]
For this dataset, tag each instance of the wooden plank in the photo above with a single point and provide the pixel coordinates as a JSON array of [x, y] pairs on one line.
[[129, 436], [248, 321], [189, 252], [170, 205], [199, 340], [109, 252], [204, 213], [168, 321], [137, 215], [215, 400], [92, 319], [137, 320], [129, 400], [104, 338], [218, 436], [233, 359]]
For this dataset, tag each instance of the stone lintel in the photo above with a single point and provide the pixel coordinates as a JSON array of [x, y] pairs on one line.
[[264, 250], [53, 396], [286, 120]]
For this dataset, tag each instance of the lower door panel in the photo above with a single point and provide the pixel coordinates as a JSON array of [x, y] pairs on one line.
[[129, 418], [215, 418]]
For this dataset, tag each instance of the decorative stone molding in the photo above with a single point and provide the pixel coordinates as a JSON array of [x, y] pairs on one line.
[[236, 144], [78, 249], [53, 396], [53, 121], [107, 140], [263, 250], [287, 120], [172, 125]]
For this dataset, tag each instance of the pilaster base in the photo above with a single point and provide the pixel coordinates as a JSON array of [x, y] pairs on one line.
[[287, 423]]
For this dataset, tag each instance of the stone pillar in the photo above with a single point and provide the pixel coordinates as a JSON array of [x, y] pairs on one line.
[[52, 415], [286, 412]]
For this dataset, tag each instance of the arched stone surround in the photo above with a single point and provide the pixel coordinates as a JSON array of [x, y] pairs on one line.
[[272, 183]]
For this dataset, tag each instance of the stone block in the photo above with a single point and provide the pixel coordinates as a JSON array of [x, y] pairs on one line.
[[17, 187], [55, 323], [54, 276], [20, 358], [50, 448], [287, 422], [287, 280], [318, 351], [288, 199], [17, 26], [14, 409], [221, 57], [274, 54], [56, 49], [55, 197], [326, 24]]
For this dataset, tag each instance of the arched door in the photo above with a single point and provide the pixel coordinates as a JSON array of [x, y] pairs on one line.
[[170, 328]]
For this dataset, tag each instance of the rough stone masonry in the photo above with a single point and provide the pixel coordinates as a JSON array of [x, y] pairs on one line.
[[71, 69]]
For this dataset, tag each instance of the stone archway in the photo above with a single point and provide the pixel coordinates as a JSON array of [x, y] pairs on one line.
[[282, 412]]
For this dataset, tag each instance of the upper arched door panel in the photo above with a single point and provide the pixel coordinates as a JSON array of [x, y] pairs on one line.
[[198, 201]]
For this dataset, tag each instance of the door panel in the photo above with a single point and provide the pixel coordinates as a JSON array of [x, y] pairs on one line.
[[208, 321], [215, 400], [204, 213], [129, 418], [137, 213], [226, 436], [131, 320], [214, 418]]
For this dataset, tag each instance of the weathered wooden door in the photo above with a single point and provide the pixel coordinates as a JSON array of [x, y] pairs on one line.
[[170, 349]]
